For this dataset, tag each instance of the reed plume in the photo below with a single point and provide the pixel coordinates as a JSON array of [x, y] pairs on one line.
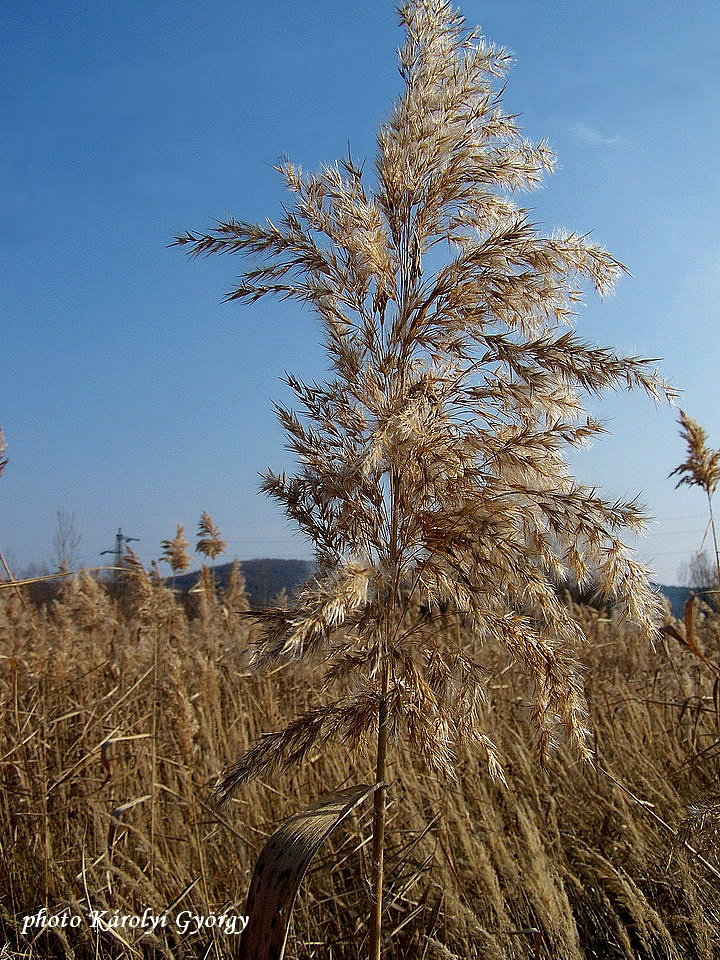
[[234, 595], [209, 541], [701, 469], [175, 551], [432, 465]]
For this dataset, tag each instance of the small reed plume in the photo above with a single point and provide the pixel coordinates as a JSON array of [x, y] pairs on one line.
[[701, 469], [209, 542], [234, 595], [175, 551]]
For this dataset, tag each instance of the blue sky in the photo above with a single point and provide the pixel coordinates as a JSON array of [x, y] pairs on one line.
[[131, 397]]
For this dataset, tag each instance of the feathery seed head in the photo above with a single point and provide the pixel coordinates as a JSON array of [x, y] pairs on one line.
[[436, 451], [175, 551], [209, 541], [702, 467]]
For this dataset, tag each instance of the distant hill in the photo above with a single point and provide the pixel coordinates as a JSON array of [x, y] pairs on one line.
[[677, 597], [264, 579]]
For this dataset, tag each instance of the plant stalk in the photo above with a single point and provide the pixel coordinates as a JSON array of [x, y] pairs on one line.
[[380, 798], [379, 809], [714, 536]]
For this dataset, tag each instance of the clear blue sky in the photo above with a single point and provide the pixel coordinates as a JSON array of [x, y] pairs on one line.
[[131, 397]]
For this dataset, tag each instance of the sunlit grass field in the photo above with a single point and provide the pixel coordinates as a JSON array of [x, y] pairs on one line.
[[118, 715]]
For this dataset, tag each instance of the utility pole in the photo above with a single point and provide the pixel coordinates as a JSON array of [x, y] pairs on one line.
[[120, 542]]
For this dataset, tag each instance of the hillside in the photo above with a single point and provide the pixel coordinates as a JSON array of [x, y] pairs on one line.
[[676, 596], [264, 578]]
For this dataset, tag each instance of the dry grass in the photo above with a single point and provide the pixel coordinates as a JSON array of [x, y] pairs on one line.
[[563, 863]]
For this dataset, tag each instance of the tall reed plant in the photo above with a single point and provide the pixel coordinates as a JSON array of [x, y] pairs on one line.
[[432, 471]]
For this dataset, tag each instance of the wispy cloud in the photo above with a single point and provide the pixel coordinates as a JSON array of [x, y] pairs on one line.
[[586, 134]]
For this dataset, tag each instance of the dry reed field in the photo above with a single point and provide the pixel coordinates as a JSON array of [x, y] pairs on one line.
[[543, 778], [119, 714]]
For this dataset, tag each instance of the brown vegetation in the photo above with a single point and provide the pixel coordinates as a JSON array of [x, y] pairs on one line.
[[209, 541], [433, 462], [701, 469], [571, 861], [175, 551]]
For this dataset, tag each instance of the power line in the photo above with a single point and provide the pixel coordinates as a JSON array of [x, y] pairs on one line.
[[672, 533], [680, 516], [670, 553]]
